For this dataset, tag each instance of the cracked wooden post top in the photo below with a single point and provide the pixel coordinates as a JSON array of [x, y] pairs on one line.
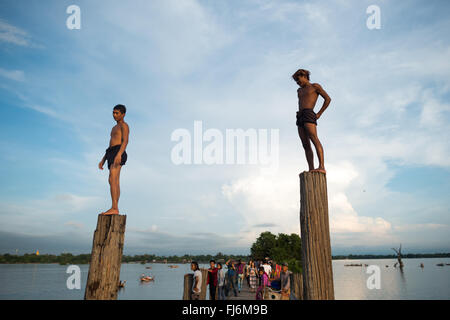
[[106, 258]]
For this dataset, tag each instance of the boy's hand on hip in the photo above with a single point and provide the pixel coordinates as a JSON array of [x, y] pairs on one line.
[[100, 165], [117, 160]]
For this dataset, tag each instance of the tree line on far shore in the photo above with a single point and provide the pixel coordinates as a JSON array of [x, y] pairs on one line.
[[278, 248], [68, 258], [392, 256]]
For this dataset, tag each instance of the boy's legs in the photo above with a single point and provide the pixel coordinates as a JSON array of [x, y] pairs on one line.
[[311, 131], [233, 285], [212, 292], [226, 289], [114, 176], [240, 281], [221, 293], [306, 143]]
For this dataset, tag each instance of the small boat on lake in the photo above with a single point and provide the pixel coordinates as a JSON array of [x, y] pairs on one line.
[[147, 278]]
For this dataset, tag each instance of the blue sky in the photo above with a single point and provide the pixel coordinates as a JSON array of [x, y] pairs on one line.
[[228, 64]]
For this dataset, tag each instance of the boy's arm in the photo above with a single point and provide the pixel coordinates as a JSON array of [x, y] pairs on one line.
[[195, 283], [325, 96], [125, 133], [102, 162]]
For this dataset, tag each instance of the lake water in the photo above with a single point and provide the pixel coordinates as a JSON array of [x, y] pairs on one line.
[[48, 281]]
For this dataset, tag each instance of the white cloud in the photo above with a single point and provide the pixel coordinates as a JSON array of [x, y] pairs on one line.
[[175, 37], [434, 111], [76, 225], [343, 218], [16, 75], [40, 216], [12, 34], [421, 226], [273, 200]]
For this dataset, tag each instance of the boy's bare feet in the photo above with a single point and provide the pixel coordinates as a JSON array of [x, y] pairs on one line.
[[110, 212], [319, 170]]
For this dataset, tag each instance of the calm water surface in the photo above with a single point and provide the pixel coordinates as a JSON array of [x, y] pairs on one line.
[[48, 281]]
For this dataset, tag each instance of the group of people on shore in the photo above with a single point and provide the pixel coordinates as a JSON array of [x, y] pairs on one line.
[[257, 274]]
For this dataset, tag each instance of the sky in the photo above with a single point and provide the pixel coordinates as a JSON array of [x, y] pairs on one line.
[[228, 66]]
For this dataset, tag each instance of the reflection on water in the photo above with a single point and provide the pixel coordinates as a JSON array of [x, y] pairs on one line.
[[48, 281], [411, 282]]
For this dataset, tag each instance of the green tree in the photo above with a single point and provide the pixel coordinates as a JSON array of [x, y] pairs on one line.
[[263, 246], [280, 248]]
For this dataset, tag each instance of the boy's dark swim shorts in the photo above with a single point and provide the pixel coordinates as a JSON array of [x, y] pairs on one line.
[[111, 153], [306, 115]]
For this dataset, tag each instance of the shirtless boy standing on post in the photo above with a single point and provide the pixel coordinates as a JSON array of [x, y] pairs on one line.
[[116, 156], [307, 118]]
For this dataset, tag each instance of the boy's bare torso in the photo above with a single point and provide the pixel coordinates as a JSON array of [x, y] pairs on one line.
[[116, 134], [307, 97]]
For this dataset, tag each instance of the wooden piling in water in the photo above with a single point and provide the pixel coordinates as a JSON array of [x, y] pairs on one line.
[[187, 287], [106, 258], [315, 235], [189, 282]]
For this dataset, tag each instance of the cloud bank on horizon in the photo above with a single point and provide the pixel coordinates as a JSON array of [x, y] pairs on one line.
[[227, 64]]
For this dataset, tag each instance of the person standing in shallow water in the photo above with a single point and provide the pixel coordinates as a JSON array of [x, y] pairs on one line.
[[307, 118], [116, 156]]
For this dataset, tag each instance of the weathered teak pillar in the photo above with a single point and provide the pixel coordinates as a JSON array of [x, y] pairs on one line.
[[297, 285], [187, 287], [204, 286], [106, 258], [189, 282], [315, 235]]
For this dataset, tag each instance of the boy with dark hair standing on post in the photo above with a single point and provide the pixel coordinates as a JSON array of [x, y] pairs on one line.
[[116, 156], [307, 118]]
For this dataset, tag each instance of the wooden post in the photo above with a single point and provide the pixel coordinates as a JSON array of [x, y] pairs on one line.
[[315, 234], [188, 283], [106, 258], [204, 286], [297, 285]]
